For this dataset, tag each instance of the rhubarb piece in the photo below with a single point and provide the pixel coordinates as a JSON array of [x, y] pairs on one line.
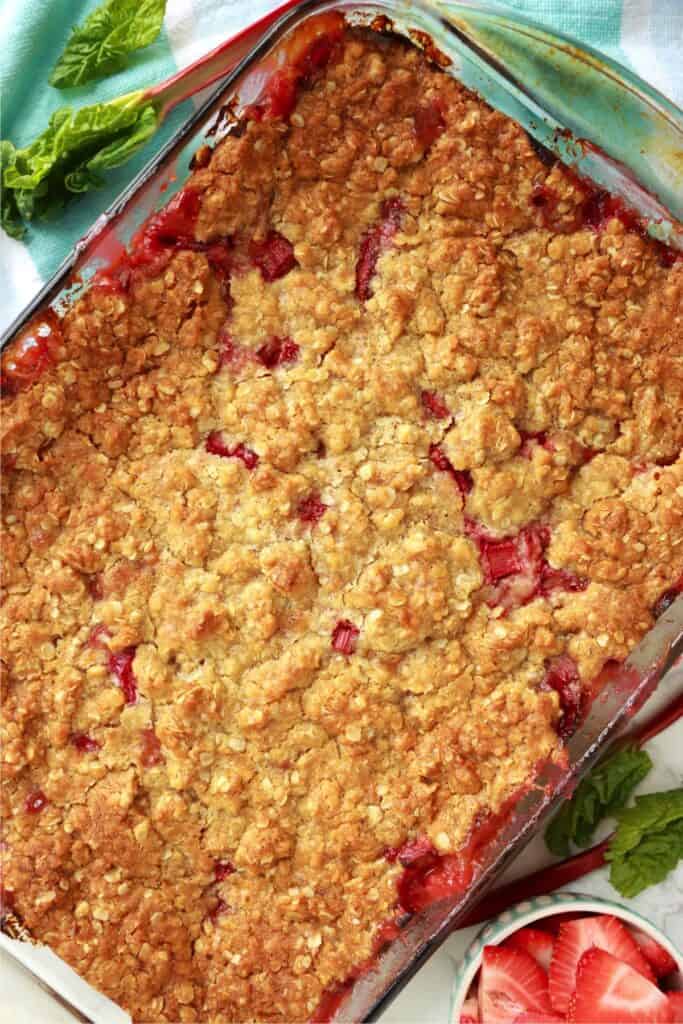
[[274, 256], [35, 802], [121, 667], [222, 869], [610, 991], [344, 636], [536, 943], [435, 405], [605, 932], [277, 351], [510, 983], [374, 242], [95, 586], [311, 509], [562, 676], [216, 445], [429, 122], [84, 744], [517, 567], [151, 754]]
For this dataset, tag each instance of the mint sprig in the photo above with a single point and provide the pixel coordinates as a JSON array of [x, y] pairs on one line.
[[100, 46], [600, 795], [648, 842]]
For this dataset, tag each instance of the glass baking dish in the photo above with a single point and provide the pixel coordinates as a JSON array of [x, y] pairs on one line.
[[576, 103]]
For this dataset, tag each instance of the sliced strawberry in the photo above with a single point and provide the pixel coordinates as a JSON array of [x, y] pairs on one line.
[[536, 943], [676, 1006], [511, 982], [529, 1017], [658, 958], [552, 924], [575, 938], [609, 991], [469, 1013]]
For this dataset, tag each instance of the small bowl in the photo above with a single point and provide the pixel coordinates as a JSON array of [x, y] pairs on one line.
[[531, 911]]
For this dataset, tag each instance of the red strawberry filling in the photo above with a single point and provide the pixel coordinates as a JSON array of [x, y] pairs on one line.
[[429, 122], [34, 351], [530, 440], [121, 667], [344, 637], [216, 445], [222, 869], [277, 351], [151, 748], [98, 635], [279, 98], [462, 477], [374, 242], [219, 908], [84, 744], [274, 256], [562, 676], [435, 405], [311, 509], [35, 802]]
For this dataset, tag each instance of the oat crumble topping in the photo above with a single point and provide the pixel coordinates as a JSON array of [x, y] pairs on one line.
[[300, 521]]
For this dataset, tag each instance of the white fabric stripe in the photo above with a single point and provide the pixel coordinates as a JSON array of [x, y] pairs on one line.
[[20, 278]]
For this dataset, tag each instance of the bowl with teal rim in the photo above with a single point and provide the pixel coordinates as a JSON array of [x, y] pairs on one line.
[[530, 912]]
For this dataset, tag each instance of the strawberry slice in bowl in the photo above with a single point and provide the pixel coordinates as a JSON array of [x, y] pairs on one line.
[[511, 983], [659, 959], [676, 1006], [540, 963], [536, 943], [575, 938], [529, 1017], [609, 991]]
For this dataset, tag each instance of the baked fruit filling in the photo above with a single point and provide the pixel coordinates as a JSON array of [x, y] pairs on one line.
[[323, 508]]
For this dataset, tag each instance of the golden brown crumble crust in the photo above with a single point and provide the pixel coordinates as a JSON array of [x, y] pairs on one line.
[[296, 763]]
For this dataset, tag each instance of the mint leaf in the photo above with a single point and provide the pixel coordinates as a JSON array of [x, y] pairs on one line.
[[598, 796], [70, 156], [648, 842], [99, 46]]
